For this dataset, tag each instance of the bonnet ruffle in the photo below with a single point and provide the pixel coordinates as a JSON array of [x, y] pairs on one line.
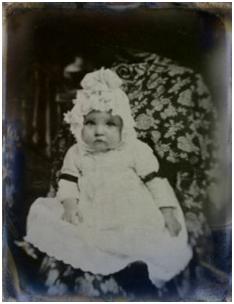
[[101, 92]]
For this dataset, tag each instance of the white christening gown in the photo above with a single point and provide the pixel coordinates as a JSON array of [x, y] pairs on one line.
[[121, 222]]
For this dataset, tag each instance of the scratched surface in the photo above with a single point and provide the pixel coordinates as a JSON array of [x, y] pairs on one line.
[[47, 36]]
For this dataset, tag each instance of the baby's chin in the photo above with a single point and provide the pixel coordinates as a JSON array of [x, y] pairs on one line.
[[103, 147]]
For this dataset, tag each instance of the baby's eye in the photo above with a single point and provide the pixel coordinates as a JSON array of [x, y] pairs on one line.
[[111, 124], [89, 123]]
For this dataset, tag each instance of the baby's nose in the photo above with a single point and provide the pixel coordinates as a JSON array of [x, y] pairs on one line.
[[99, 130]]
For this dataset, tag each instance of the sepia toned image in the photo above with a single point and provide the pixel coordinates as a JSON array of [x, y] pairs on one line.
[[117, 152]]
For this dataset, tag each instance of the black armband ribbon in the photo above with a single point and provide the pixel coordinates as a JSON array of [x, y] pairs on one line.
[[69, 177], [149, 177]]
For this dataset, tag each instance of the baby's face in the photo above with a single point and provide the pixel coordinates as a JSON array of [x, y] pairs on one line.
[[102, 131]]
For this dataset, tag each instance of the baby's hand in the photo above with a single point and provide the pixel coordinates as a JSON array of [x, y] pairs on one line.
[[171, 221], [71, 214]]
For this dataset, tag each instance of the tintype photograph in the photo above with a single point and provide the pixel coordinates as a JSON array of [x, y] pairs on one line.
[[116, 151]]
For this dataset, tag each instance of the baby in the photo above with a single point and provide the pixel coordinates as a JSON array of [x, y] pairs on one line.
[[111, 208], [102, 133]]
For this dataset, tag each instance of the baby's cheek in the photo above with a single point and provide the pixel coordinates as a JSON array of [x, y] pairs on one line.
[[118, 131], [87, 134], [120, 134], [116, 136]]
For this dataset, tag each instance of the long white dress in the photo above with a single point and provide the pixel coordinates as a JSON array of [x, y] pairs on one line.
[[121, 222]]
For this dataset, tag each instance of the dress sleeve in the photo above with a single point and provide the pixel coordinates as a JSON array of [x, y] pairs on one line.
[[145, 162], [147, 166], [68, 182], [163, 193]]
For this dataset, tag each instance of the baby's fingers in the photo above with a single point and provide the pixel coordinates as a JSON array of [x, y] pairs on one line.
[[172, 232], [67, 217], [75, 220], [72, 217], [80, 217], [174, 228], [178, 228]]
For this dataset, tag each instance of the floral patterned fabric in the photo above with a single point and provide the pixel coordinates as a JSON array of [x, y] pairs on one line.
[[175, 116]]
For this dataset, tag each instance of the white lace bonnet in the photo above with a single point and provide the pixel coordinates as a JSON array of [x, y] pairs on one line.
[[101, 92]]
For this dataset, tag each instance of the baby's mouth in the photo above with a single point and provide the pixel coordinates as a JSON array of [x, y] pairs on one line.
[[100, 145], [102, 140], [99, 141]]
